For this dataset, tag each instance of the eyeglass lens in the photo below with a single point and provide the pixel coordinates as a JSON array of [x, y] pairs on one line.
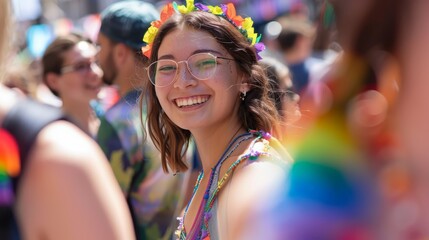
[[81, 67], [163, 72]]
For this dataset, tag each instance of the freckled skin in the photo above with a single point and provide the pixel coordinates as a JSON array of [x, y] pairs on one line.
[[222, 88]]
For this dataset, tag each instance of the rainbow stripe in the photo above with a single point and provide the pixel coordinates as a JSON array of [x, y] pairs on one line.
[[9, 166]]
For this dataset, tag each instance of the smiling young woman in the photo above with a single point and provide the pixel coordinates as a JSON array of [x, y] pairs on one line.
[[211, 90]]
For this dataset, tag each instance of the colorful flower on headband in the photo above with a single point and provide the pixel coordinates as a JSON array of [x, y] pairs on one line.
[[245, 26], [185, 9], [150, 34]]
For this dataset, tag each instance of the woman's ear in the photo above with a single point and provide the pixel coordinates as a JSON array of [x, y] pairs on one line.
[[245, 87], [120, 53], [52, 81]]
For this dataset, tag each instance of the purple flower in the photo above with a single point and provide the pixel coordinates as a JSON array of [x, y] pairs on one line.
[[202, 7], [224, 8], [259, 47]]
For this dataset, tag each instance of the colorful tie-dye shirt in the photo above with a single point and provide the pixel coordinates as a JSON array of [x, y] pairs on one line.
[[153, 196]]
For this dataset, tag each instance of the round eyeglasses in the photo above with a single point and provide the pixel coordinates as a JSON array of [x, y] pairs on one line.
[[201, 66], [80, 67]]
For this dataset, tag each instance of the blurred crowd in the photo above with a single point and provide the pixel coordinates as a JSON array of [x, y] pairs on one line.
[[347, 78], [39, 22]]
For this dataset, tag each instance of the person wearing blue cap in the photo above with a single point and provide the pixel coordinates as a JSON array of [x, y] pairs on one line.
[[153, 196]]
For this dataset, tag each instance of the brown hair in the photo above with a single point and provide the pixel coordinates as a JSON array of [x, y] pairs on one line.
[[376, 31], [280, 82], [5, 30], [257, 111], [53, 58]]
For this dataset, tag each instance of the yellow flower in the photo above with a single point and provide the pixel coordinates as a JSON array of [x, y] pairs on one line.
[[188, 8], [247, 23], [252, 35], [182, 9], [189, 5], [150, 34], [216, 10]]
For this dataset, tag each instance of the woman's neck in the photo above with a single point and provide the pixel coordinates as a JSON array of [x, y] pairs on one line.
[[212, 144], [83, 116]]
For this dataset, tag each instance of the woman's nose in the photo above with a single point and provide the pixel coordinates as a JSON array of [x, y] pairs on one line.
[[184, 77]]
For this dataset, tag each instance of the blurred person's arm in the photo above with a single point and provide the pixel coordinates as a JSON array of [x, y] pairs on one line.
[[68, 190]]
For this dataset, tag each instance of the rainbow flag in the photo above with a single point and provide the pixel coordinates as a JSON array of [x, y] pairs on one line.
[[9, 166]]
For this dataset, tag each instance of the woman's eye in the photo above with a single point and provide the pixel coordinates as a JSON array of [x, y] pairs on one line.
[[166, 68], [206, 63]]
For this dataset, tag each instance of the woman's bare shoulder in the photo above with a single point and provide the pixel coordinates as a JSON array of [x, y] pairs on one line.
[[69, 178], [62, 141]]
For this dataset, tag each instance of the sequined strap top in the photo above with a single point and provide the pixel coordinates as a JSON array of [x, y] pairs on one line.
[[200, 228]]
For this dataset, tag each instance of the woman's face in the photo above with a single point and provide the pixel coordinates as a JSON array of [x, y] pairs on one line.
[[80, 80], [106, 59], [192, 103], [290, 102], [291, 107]]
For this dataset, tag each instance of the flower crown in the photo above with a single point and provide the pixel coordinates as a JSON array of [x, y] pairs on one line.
[[227, 11]]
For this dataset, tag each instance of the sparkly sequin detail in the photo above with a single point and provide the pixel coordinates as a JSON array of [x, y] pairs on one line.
[[258, 147]]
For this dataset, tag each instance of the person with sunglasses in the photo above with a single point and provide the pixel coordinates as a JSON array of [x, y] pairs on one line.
[[71, 73], [210, 89]]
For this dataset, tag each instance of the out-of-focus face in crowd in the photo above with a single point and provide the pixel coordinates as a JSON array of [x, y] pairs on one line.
[[81, 75]]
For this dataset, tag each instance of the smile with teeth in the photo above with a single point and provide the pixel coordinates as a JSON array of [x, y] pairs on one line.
[[89, 87], [185, 102]]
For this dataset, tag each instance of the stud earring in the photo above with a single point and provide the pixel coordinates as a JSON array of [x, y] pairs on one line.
[[243, 96]]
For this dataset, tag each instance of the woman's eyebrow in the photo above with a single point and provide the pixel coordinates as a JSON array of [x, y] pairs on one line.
[[170, 56]]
